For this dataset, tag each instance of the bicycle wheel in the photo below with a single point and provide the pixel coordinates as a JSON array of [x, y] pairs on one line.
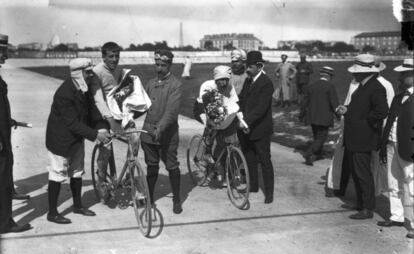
[[237, 177], [110, 176], [197, 167], [141, 198]]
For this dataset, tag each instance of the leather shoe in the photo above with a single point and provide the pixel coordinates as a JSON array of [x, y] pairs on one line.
[[16, 228], [390, 223], [177, 209], [309, 159], [362, 215], [410, 234], [59, 219], [268, 199], [19, 196], [84, 211]]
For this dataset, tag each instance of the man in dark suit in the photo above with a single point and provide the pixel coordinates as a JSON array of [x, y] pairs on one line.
[[7, 224], [397, 149], [317, 109], [65, 134], [363, 123], [256, 105]]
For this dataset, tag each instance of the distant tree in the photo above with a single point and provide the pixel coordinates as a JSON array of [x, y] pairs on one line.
[[342, 47], [368, 48], [208, 45], [131, 47], [61, 47], [229, 46]]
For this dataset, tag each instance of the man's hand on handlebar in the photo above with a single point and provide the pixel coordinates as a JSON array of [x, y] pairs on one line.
[[103, 136]]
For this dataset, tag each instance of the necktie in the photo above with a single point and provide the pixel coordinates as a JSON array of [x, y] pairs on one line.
[[248, 84]]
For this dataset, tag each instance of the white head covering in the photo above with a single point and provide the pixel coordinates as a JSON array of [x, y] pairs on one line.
[[364, 63], [76, 66], [222, 71], [406, 66], [238, 54]]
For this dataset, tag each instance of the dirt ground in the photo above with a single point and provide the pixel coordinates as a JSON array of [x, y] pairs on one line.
[[300, 220]]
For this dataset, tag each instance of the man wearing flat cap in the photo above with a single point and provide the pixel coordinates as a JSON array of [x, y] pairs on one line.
[[318, 109], [7, 224], [256, 106], [65, 134], [162, 124], [397, 151], [238, 69], [363, 120]]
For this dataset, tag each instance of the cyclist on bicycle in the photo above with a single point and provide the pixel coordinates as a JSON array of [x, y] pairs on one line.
[[216, 108]]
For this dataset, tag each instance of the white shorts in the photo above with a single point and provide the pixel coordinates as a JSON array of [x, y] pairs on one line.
[[60, 168]]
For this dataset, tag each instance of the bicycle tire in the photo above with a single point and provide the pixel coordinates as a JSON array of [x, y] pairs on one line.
[[237, 177], [195, 153], [94, 171], [140, 198]]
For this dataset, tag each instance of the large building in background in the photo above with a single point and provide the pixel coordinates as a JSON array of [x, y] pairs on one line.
[[387, 41], [227, 41]]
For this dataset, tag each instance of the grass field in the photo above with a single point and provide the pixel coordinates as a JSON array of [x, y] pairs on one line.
[[288, 130]]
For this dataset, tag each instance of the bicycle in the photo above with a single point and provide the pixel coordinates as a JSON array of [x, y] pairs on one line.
[[136, 179], [236, 171]]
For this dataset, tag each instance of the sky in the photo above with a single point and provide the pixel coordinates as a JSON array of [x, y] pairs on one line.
[[93, 22]]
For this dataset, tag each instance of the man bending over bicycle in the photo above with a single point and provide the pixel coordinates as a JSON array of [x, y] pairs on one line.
[[216, 108]]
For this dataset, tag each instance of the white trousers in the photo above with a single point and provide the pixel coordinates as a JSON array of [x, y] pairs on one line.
[[400, 185], [60, 168]]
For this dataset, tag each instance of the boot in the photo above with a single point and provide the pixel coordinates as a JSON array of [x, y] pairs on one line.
[[175, 178]]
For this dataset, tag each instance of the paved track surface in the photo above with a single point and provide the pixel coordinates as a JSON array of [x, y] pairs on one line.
[[301, 219]]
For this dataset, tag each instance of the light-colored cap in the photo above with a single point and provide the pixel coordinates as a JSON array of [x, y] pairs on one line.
[[406, 66], [364, 63], [222, 71], [80, 64]]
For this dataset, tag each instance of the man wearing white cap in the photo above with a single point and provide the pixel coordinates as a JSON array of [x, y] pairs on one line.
[[363, 123], [397, 150], [285, 73], [318, 108], [65, 134], [238, 69], [226, 129], [7, 224]]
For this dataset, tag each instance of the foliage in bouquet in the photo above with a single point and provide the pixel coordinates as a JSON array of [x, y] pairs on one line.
[[214, 106], [124, 90]]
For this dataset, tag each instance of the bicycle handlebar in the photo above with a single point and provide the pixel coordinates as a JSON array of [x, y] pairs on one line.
[[122, 134]]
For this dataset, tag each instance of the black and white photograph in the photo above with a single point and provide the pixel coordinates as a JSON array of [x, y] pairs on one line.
[[206, 127]]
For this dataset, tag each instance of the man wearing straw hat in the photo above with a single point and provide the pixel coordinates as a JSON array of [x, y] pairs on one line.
[[397, 151], [7, 224], [363, 123], [318, 108]]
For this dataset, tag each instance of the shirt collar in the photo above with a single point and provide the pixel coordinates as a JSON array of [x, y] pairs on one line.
[[257, 76], [410, 90]]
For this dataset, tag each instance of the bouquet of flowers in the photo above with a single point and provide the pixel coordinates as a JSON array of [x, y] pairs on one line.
[[214, 106], [124, 90]]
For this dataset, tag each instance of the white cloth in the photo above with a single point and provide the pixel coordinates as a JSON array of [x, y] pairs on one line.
[[388, 88], [60, 168], [400, 185], [138, 101]]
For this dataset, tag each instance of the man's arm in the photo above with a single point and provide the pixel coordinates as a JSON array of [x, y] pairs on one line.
[[172, 109], [305, 103], [99, 98], [4, 125], [71, 119], [263, 102], [293, 70], [379, 108], [333, 98]]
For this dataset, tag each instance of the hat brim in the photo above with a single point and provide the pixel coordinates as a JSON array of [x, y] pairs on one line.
[[362, 69], [221, 76], [402, 69]]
